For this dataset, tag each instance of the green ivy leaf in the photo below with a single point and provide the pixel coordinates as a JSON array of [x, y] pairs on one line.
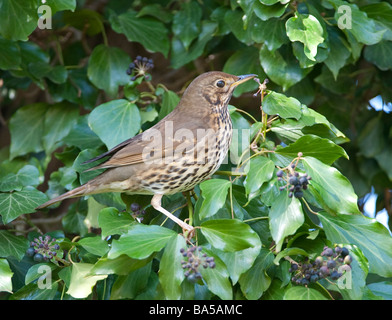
[[12, 246], [171, 273], [34, 274], [263, 11], [122, 265], [157, 11], [271, 2], [27, 176], [359, 25], [94, 245], [33, 292], [286, 217], [228, 234], [130, 285], [181, 56], [217, 279], [256, 281], [16, 203], [381, 289], [240, 140], [59, 119], [315, 123], [381, 13], [141, 241], [369, 141], [82, 282], [5, 276], [111, 221], [111, 62], [351, 229], [303, 293], [339, 52], [313, 146], [214, 193], [86, 20], [169, 102], [261, 170], [60, 5], [233, 19], [32, 117], [18, 18], [307, 29], [277, 103], [289, 252], [115, 121], [271, 32], [281, 66], [74, 221], [151, 33], [266, 12], [10, 57], [379, 54], [238, 262], [330, 188], [81, 135], [187, 23]]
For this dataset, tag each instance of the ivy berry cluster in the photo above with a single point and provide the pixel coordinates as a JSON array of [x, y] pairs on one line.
[[138, 212], [43, 249], [193, 260], [332, 264], [295, 182], [139, 67]]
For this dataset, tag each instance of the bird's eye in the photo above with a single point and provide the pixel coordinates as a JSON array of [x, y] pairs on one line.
[[220, 83]]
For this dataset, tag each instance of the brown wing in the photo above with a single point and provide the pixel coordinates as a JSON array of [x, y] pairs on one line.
[[144, 146]]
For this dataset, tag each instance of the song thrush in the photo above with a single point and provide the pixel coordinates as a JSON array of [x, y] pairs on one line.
[[180, 151]]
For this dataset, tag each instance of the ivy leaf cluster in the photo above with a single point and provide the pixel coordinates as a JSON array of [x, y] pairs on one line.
[[314, 138]]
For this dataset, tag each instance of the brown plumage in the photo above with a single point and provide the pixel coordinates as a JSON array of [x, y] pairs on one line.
[[180, 151]]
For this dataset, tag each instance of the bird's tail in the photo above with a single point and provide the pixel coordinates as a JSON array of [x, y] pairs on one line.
[[77, 192]]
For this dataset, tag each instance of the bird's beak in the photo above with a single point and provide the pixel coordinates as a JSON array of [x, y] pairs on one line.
[[243, 78]]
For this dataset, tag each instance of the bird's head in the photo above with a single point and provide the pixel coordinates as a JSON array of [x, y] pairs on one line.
[[215, 87]]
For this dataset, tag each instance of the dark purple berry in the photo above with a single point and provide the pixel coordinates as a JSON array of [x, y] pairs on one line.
[[298, 194], [293, 180], [38, 257], [335, 275], [303, 180], [347, 259], [294, 267], [314, 278], [30, 252], [338, 250], [328, 252], [344, 252], [192, 278], [319, 261], [135, 207], [324, 270], [331, 264]]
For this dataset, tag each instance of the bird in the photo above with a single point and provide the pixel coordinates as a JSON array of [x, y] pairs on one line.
[[183, 149]]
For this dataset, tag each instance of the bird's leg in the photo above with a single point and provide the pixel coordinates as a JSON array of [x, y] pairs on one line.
[[156, 203]]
